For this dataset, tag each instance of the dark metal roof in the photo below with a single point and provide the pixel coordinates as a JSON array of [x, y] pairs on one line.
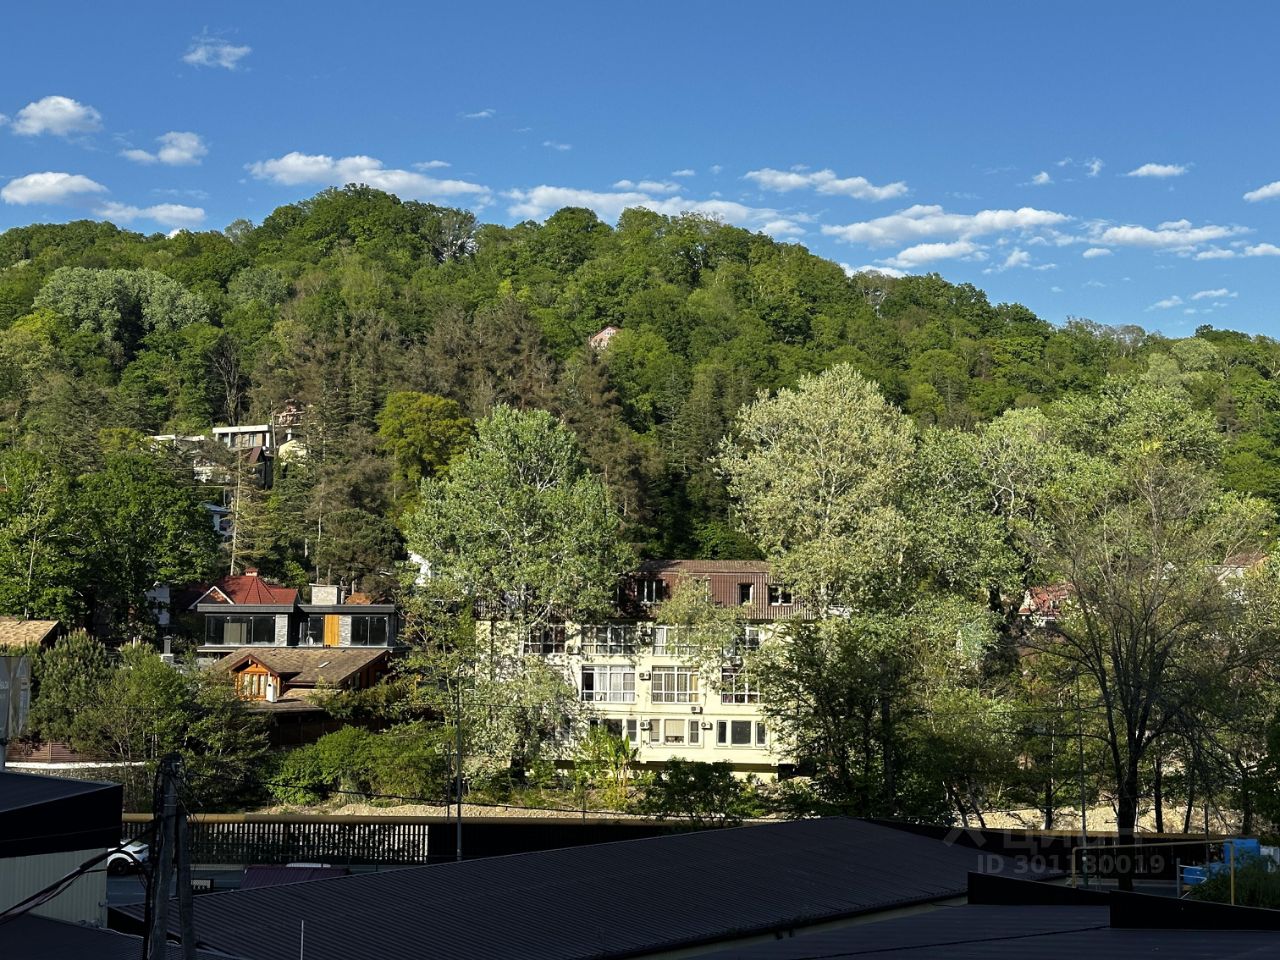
[[40, 814], [268, 875], [999, 932], [31, 789], [29, 937], [619, 899]]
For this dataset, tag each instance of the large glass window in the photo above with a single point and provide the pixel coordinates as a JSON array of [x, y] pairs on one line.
[[233, 631], [674, 685], [736, 687], [733, 733], [651, 590], [612, 639], [544, 639], [312, 632], [369, 631], [671, 642], [609, 684]]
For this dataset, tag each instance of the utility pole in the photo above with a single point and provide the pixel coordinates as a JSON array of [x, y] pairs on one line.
[[457, 724], [1084, 807], [170, 846]]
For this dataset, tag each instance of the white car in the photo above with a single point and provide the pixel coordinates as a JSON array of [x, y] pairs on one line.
[[120, 861]]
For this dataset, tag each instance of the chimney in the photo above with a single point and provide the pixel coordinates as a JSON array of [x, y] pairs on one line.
[[326, 594]]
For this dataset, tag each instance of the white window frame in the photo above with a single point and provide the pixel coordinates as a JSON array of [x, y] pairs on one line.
[[611, 640], [672, 677], [725, 730], [667, 642], [736, 686], [605, 692]]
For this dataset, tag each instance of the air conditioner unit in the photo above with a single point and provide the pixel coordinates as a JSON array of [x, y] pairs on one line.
[[644, 674], [645, 725], [706, 724], [695, 709]]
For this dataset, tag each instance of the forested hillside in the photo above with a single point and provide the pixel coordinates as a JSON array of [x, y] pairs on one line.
[[395, 324]]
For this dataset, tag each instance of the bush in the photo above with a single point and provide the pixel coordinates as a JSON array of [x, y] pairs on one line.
[[410, 761], [1257, 884], [704, 794]]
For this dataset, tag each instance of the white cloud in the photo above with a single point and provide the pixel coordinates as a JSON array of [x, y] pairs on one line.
[[48, 187], [207, 51], [298, 168], [684, 172], [648, 186], [4, 118], [484, 114], [1041, 179], [716, 168], [1094, 283], [174, 215], [826, 182], [1178, 235], [177, 149], [60, 116], [1096, 252], [431, 165], [1055, 289], [922, 222], [1158, 170], [1167, 303], [923, 253], [1217, 294], [871, 268], [540, 201], [1094, 166], [553, 145], [1269, 192]]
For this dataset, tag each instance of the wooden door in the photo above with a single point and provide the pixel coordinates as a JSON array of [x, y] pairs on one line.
[[331, 630]]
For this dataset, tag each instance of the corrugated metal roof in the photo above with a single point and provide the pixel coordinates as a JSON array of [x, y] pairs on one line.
[[607, 900], [268, 875], [29, 937], [19, 790], [998, 932]]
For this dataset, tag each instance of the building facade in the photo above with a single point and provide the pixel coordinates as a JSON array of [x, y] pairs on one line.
[[640, 678]]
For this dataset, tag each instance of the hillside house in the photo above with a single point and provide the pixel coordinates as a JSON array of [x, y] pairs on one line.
[[289, 675], [249, 611]]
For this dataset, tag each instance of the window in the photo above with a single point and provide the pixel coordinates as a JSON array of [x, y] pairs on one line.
[[674, 685], [746, 593], [695, 733], [616, 727], [633, 735], [369, 631], [312, 632], [545, 639], [733, 733], [669, 642], [674, 731], [655, 731], [613, 639], [746, 642], [779, 596], [239, 631], [252, 686], [609, 684], [736, 687], [651, 590], [762, 736]]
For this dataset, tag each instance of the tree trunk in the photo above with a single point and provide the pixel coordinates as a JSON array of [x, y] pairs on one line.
[[1158, 793], [1126, 826]]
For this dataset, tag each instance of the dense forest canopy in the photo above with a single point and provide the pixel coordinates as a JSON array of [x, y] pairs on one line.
[[393, 324]]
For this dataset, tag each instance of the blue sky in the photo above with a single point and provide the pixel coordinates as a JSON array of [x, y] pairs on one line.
[[1119, 162]]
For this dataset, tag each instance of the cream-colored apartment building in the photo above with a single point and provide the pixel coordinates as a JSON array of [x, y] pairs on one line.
[[641, 682]]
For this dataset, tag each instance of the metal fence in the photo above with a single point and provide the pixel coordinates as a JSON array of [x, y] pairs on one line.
[[243, 839]]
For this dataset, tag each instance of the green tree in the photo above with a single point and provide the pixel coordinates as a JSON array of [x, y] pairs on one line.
[[423, 433], [704, 795], [68, 678]]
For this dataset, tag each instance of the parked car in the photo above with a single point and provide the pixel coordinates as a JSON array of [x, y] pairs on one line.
[[120, 860]]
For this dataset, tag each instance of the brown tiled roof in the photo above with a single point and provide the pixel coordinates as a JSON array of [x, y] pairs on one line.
[[306, 666], [14, 631], [249, 588], [704, 567]]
